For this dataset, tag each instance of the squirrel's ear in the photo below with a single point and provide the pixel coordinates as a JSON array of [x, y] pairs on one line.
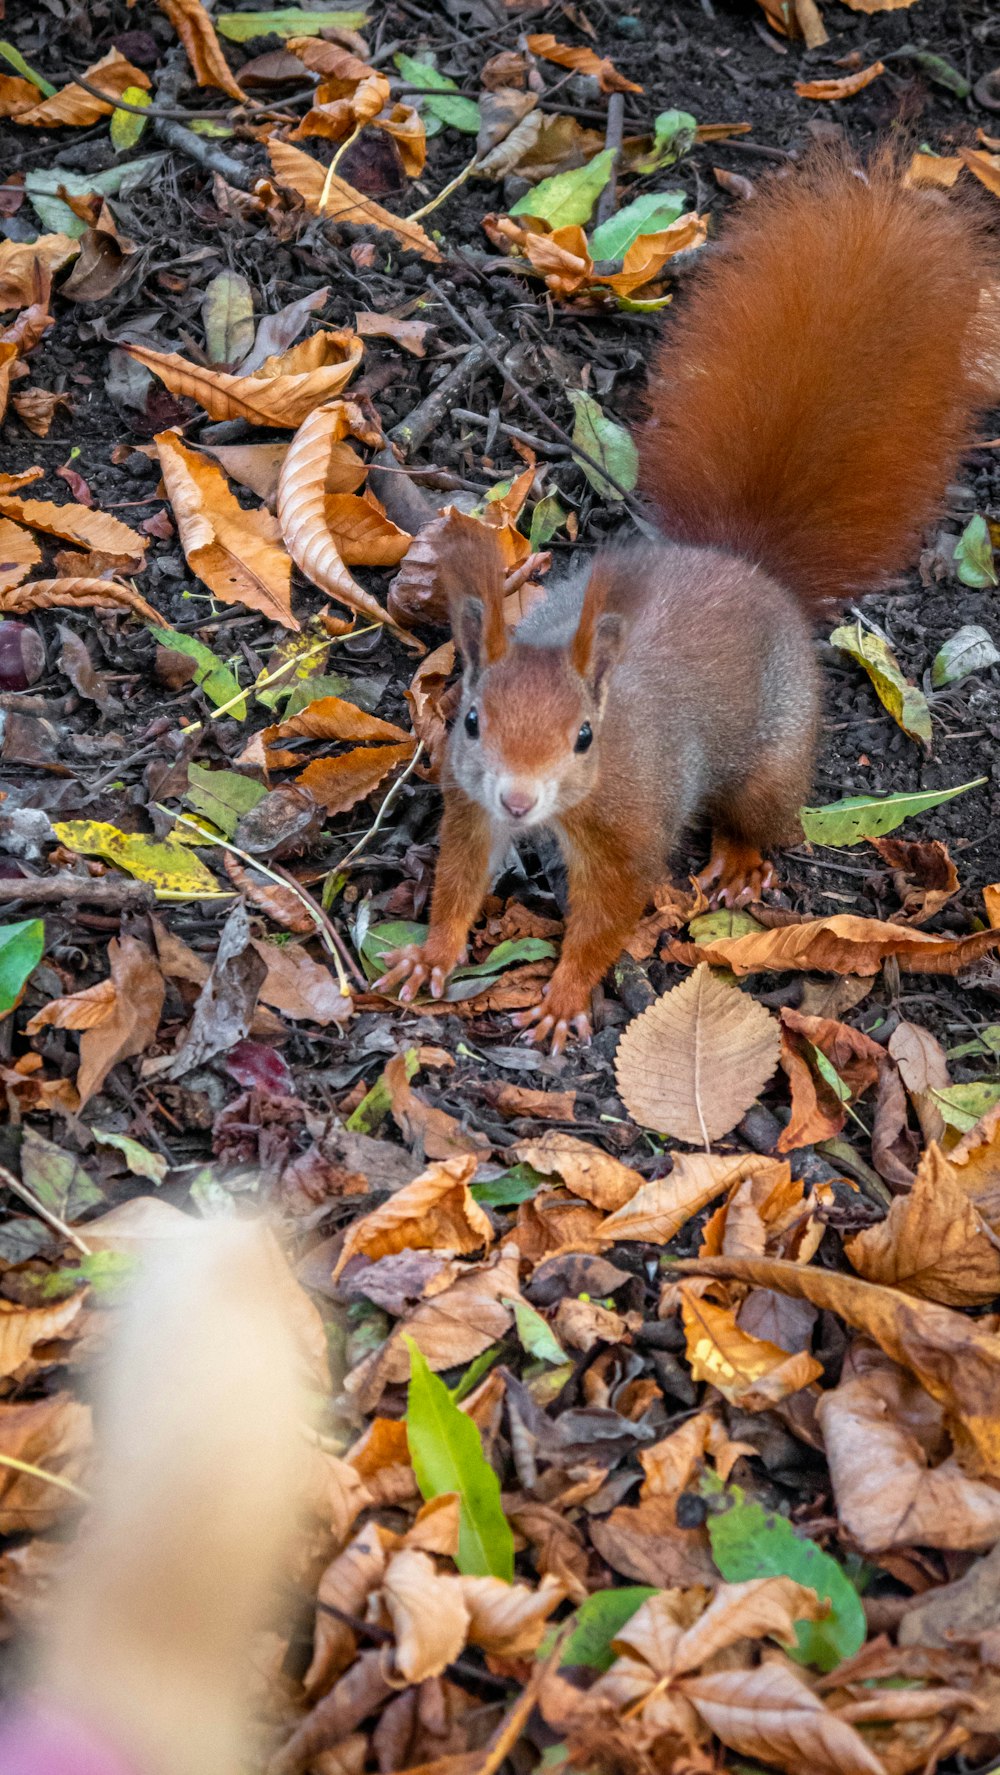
[[608, 638], [480, 631], [598, 639]]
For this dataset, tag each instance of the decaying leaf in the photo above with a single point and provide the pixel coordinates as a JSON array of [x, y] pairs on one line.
[[237, 553], [434, 1212], [327, 195], [842, 944], [694, 1062]]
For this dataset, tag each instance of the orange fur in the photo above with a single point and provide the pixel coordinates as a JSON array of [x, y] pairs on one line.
[[810, 401]]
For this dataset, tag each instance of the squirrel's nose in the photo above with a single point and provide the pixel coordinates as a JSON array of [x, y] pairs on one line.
[[518, 804]]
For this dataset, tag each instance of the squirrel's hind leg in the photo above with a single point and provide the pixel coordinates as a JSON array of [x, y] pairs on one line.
[[759, 813]]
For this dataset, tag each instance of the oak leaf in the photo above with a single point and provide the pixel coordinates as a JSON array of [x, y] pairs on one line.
[[202, 47], [332, 197], [236, 553], [692, 1063], [748, 1371], [282, 392], [842, 944], [933, 1242], [771, 1713], [433, 1213]]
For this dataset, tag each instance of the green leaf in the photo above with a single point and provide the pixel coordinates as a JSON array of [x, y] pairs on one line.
[[220, 685], [16, 60], [974, 554], [42, 184], [57, 1177], [223, 796], [547, 517], [858, 817], [459, 112], [708, 927], [204, 126], [905, 702], [376, 1103], [608, 442], [289, 21], [447, 1454], [568, 197], [649, 214], [673, 136], [970, 649], [535, 1334], [508, 1190], [479, 1366], [379, 938], [598, 1622], [126, 127], [987, 1042], [748, 1543], [937, 69], [400, 932], [962, 1106], [140, 1161], [105, 1272], [21, 949], [227, 313], [508, 954]]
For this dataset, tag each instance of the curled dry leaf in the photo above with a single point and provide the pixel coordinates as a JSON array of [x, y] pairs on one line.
[[436, 1212], [77, 594], [937, 170], [670, 1465], [819, 1106], [694, 1062], [333, 198], [345, 1586], [410, 334], [586, 1170], [924, 875], [440, 1134], [74, 107], [302, 498], [340, 783], [842, 944], [78, 1010], [328, 718], [748, 1371], [562, 255], [19, 553], [26, 269], [771, 1713], [236, 553], [22, 1327], [53, 1434], [984, 167], [428, 1613], [282, 392], [134, 1018], [509, 1619], [933, 1243], [955, 1358], [977, 1160], [204, 51], [658, 1210], [844, 88], [363, 535], [450, 1329], [77, 523], [581, 61], [888, 1492]]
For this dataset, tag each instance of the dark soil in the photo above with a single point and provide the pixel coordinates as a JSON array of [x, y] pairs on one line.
[[719, 61]]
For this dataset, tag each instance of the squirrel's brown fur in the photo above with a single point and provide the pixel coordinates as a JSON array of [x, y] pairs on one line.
[[806, 411]]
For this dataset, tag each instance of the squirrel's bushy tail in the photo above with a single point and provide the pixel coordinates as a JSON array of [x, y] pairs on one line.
[[811, 399]]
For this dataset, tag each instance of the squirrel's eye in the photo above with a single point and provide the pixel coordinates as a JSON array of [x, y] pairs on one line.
[[472, 724], [584, 737]]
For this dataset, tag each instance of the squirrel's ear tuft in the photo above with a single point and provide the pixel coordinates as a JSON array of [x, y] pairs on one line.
[[480, 630]]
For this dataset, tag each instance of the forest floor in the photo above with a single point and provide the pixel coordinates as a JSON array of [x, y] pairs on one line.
[[148, 1072]]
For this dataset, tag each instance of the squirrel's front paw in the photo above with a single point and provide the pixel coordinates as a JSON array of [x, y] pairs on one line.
[[561, 1007], [417, 965], [736, 873]]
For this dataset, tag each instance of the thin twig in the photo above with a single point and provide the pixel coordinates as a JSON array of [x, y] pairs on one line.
[[318, 917], [447, 190], [530, 402], [613, 140], [510, 1729], [335, 162], [9, 1181], [34, 1472], [379, 819], [112, 891]]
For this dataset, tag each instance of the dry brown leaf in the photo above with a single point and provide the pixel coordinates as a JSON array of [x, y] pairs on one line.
[[299, 987], [339, 783], [818, 1109], [22, 1327], [761, 1608], [329, 718], [670, 1465], [77, 594], [748, 1371], [13, 483], [74, 106], [509, 1619], [410, 334], [562, 255], [977, 1161], [19, 553], [661, 1207], [139, 992], [53, 1434], [645, 1544], [362, 534], [986, 167], [439, 1134], [346, 1585], [302, 502], [338, 107], [844, 88], [436, 1212], [695, 1061], [887, 1491], [236, 553], [282, 392], [37, 408], [954, 1357], [582, 61], [842, 944], [428, 1613], [333, 198], [938, 170], [771, 1713], [924, 874], [77, 523], [256, 466], [451, 1328], [78, 1010], [202, 47], [585, 1169], [26, 270], [933, 1243]]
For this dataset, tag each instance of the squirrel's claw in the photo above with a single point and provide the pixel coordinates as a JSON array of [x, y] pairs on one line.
[[540, 1021], [411, 968], [735, 874]]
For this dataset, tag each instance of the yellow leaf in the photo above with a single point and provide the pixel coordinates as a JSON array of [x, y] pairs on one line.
[[236, 553], [173, 870], [748, 1371]]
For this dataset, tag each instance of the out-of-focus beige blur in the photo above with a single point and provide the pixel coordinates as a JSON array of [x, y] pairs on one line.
[[200, 1418]]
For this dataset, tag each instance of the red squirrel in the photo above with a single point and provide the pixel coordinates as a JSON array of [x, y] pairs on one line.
[[806, 409]]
